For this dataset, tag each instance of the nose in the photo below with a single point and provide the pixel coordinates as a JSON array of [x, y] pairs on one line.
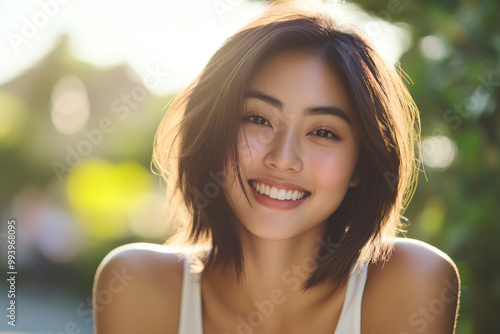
[[283, 152]]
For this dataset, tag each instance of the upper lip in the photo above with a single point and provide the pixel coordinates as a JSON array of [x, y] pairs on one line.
[[279, 184]]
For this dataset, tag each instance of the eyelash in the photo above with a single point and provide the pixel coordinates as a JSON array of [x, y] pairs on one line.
[[249, 119], [327, 134]]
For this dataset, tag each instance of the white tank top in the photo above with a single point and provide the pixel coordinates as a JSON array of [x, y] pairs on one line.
[[191, 320]]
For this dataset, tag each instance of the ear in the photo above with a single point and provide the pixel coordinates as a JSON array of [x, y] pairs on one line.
[[355, 177]]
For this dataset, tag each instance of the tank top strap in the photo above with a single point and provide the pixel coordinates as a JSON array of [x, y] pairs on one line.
[[191, 321], [350, 316]]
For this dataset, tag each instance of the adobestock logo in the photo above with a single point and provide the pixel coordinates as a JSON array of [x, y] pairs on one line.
[[85, 310], [473, 104], [296, 275], [421, 318], [264, 309], [210, 190], [223, 6], [374, 28], [39, 19], [121, 108]]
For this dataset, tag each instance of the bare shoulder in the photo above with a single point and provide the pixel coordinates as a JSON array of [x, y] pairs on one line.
[[137, 288], [415, 290]]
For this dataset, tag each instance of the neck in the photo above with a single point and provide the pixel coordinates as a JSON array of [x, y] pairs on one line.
[[274, 272]]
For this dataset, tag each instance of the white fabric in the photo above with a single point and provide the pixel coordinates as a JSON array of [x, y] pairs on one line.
[[350, 316], [191, 320]]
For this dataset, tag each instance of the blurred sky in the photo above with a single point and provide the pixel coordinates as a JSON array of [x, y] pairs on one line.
[[172, 36]]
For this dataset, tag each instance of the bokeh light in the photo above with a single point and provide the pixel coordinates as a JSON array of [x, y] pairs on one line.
[[13, 115], [104, 194], [432, 47], [438, 152], [151, 220], [431, 219], [60, 239], [70, 105]]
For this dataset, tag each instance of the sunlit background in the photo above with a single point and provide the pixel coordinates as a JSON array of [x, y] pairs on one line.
[[82, 88]]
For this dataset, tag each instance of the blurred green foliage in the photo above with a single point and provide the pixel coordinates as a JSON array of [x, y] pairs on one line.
[[458, 209]]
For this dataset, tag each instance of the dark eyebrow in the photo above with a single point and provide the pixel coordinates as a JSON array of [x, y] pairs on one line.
[[264, 97], [311, 111], [328, 110]]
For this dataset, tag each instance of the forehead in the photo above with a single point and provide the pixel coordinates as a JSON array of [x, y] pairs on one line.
[[300, 79]]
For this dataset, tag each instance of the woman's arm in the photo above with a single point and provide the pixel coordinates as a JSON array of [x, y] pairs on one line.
[[415, 291]]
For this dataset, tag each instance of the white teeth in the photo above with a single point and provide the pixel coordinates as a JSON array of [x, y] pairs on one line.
[[282, 194], [275, 193], [267, 190]]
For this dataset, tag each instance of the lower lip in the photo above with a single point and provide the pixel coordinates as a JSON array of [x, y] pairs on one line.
[[276, 203]]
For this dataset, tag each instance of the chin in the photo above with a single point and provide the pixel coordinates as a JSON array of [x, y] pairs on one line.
[[278, 231]]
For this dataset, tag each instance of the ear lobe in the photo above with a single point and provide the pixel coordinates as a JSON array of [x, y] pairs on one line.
[[354, 178], [354, 182]]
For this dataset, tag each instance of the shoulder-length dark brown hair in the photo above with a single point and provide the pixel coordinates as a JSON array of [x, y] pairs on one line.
[[196, 142]]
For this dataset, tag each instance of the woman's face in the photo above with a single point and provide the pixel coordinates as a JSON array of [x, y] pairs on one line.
[[298, 146]]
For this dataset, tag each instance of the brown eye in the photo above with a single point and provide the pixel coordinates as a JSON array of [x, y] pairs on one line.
[[327, 134], [259, 120]]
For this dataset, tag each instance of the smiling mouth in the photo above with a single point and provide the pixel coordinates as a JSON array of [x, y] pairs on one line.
[[278, 193]]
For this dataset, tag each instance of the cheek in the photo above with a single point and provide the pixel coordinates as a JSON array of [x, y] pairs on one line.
[[245, 148], [248, 150], [334, 168], [252, 144]]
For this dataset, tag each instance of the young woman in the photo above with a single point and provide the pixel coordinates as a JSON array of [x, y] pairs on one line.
[[290, 159]]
